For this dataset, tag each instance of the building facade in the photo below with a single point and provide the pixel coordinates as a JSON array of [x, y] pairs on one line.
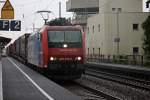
[[117, 29], [82, 10]]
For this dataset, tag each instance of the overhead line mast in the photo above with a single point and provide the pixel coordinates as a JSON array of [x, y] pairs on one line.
[[59, 9]]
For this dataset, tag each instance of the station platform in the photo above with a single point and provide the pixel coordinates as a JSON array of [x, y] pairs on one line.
[[1, 91], [22, 83]]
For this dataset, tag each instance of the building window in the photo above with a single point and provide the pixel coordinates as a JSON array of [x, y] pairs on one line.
[[93, 51], [119, 9], [113, 9], [99, 28], [135, 50], [135, 27], [88, 30], [88, 51], [83, 28], [99, 50], [93, 29]]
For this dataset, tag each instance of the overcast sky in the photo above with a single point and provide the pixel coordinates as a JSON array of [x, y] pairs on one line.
[[28, 9], [25, 10]]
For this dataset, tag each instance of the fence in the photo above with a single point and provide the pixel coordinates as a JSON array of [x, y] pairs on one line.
[[119, 59]]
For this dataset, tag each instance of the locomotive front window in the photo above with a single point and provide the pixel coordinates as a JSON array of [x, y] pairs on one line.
[[72, 36], [64, 36], [58, 38]]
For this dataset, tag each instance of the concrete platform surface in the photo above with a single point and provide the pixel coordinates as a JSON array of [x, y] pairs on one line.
[[1, 88], [22, 83]]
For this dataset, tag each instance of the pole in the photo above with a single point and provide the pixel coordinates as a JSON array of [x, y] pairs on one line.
[[117, 34], [0, 53], [59, 9], [118, 38], [45, 20], [33, 27], [0, 50]]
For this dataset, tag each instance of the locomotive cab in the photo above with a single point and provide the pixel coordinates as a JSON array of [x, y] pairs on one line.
[[65, 56]]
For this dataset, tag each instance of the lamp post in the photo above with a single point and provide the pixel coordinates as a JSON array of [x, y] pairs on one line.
[[44, 14]]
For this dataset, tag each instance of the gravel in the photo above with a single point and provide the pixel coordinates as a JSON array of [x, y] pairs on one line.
[[121, 91], [83, 93]]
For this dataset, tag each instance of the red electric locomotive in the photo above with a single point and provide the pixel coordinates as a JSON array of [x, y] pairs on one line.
[[59, 51]]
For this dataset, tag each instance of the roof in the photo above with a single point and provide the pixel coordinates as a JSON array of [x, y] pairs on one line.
[[4, 41]]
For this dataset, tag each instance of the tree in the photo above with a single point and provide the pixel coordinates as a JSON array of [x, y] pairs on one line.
[[59, 21], [146, 39]]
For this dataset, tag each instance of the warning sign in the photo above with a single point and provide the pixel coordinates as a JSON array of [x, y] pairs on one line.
[[7, 11]]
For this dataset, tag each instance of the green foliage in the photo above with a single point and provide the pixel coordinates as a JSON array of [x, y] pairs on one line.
[[146, 39], [59, 22]]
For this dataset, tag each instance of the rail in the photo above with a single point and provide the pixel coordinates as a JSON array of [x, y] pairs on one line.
[[122, 79], [98, 92], [139, 60]]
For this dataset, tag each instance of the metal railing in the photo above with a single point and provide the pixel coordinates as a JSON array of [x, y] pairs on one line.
[[121, 59]]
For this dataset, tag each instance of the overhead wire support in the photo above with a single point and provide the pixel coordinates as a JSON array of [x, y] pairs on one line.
[[44, 14]]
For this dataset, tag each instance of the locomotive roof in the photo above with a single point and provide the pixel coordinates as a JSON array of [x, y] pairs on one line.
[[77, 27]]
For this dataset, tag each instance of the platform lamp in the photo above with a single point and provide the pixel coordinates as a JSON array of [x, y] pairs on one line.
[[44, 14]]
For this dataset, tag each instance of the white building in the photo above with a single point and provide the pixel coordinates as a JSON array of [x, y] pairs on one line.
[[117, 28]]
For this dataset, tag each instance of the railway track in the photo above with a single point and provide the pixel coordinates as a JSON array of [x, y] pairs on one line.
[[98, 92], [125, 80], [88, 93]]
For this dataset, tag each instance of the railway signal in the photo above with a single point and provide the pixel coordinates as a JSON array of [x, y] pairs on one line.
[[12, 25], [15, 25], [4, 25], [7, 11], [7, 14]]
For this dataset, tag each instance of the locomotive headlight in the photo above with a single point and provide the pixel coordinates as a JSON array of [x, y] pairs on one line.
[[65, 45], [51, 58], [78, 58]]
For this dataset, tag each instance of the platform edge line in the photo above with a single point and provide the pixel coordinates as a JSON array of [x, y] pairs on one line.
[[35, 84]]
